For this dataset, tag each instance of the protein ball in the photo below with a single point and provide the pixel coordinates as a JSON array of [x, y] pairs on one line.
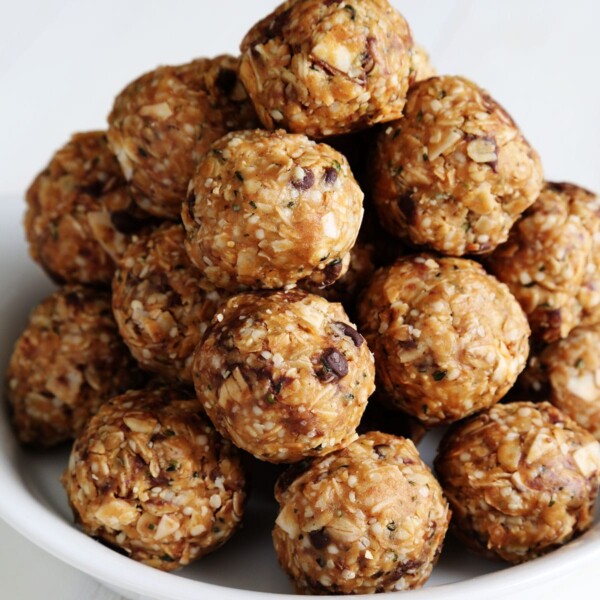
[[66, 363], [551, 261], [326, 68], [150, 476], [80, 213], [164, 121], [270, 209], [284, 375], [455, 172], [162, 303], [567, 372], [521, 479], [449, 339], [369, 518]]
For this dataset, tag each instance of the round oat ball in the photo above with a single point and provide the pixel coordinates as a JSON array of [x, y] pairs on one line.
[[368, 518], [449, 339], [151, 476], [163, 122], [326, 68], [521, 478], [271, 209], [455, 172], [551, 261], [567, 373], [162, 303], [80, 213], [284, 375], [66, 363]]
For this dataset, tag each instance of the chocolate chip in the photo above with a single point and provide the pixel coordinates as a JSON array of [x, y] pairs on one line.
[[368, 56], [554, 318], [95, 189], [381, 450], [334, 361], [330, 176], [319, 539], [124, 222], [306, 182], [191, 201], [349, 331], [407, 206], [332, 271], [226, 80], [74, 300]]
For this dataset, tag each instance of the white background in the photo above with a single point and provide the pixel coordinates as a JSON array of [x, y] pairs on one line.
[[62, 62]]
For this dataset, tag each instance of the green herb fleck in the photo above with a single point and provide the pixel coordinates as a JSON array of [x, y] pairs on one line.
[[321, 562], [151, 526], [236, 207], [239, 175], [391, 526], [442, 94], [167, 558], [350, 396], [439, 375], [552, 502], [218, 153], [195, 474], [169, 433], [580, 364], [172, 466], [425, 156], [252, 204], [291, 204], [270, 398], [336, 165]]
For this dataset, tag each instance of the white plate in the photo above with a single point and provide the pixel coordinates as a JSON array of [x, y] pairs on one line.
[[33, 502]]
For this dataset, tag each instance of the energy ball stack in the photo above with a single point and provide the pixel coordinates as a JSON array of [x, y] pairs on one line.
[[369, 518], [164, 121], [326, 68], [66, 363], [162, 303], [229, 247], [521, 478], [271, 209], [449, 339], [551, 261], [284, 375], [150, 475], [80, 212], [455, 172]]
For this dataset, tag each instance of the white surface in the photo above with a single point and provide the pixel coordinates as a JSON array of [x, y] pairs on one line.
[[62, 62]]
